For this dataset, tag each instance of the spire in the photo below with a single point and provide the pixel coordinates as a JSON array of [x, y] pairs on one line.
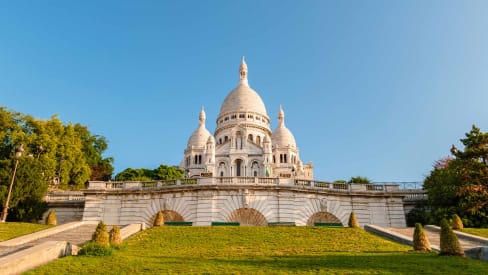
[[281, 117], [243, 73], [202, 117]]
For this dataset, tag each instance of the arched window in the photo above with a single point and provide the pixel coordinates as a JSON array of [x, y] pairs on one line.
[[199, 159], [226, 139], [284, 158], [281, 158], [274, 159], [258, 140], [250, 137], [255, 173], [220, 140], [196, 160]]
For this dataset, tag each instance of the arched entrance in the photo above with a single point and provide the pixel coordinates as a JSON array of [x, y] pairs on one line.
[[169, 216], [247, 217], [324, 217]]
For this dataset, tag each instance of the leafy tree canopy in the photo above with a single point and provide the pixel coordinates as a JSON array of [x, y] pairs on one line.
[[163, 172], [359, 179], [56, 154], [459, 184]]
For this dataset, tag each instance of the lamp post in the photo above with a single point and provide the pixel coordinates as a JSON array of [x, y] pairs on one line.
[[18, 154]]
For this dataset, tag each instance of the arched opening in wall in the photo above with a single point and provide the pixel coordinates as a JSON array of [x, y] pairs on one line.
[[258, 140], [255, 168], [169, 216], [222, 169], [250, 137], [247, 217], [323, 217], [238, 167]]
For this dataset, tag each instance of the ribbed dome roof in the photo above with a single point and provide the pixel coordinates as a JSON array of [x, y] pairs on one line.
[[281, 135], [243, 99], [201, 135]]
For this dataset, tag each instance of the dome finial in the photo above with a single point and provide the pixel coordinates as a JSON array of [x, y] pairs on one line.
[[281, 117], [202, 117], [243, 73]]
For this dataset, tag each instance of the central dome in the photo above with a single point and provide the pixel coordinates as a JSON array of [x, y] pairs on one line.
[[243, 99]]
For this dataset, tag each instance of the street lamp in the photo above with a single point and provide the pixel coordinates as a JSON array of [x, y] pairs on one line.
[[18, 154]]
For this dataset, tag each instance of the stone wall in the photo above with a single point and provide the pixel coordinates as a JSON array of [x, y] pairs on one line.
[[204, 204]]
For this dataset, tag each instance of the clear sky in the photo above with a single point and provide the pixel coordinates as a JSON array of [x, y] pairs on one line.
[[373, 88]]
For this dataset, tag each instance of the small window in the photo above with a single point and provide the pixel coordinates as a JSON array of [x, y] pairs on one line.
[[255, 173], [242, 116], [226, 118], [226, 138], [233, 116], [250, 137]]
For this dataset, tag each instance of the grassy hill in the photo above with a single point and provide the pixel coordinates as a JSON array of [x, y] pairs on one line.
[[11, 230], [262, 250]]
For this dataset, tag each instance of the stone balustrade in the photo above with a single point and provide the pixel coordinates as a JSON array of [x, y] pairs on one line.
[[148, 185]]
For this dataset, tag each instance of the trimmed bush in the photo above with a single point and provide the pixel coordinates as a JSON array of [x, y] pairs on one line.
[[51, 218], [457, 223], [449, 242], [353, 222], [420, 240], [159, 220], [100, 237], [93, 249], [115, 238]]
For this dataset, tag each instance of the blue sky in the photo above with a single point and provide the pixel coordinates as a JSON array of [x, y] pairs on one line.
[[373, 88]]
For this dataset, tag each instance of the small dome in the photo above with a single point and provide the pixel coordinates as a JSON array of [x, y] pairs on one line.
[[201, 135], [281, 135]]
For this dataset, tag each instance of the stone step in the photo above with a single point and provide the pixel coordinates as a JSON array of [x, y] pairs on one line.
[[76, 236]]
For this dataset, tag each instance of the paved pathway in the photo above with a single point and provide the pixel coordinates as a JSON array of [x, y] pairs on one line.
[[434, 237], [74, 236]]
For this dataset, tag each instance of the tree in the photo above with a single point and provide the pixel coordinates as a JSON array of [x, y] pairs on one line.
[[100, 236], [353, 222], [163, 172], [359, 179], [449, 242], [420, 240], [159, 220], [56, 155], [456, 222], [51, 218], [460, 184], [114, 236]]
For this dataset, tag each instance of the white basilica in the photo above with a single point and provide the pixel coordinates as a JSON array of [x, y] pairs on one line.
[[243, 144]]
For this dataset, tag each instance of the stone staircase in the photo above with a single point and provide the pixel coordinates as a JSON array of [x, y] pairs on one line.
[[434, 237], [76, 236]]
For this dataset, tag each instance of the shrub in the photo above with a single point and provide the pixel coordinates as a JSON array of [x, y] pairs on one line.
[[353, 222], [94, 249], [159, 220], [100, 237], [420, 240], [51, 218], [115, 238], [449, 242], [456, 223]]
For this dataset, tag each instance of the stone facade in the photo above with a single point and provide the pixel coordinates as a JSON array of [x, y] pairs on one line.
[[249, 201], [243, 144]]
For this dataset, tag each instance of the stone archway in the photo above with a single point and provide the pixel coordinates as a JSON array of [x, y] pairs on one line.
[[324, 217], [169, 216], [247, 217]]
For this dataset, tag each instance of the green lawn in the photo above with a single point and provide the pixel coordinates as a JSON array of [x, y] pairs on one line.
[[262, 250], [483, 232], [11, 230]]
